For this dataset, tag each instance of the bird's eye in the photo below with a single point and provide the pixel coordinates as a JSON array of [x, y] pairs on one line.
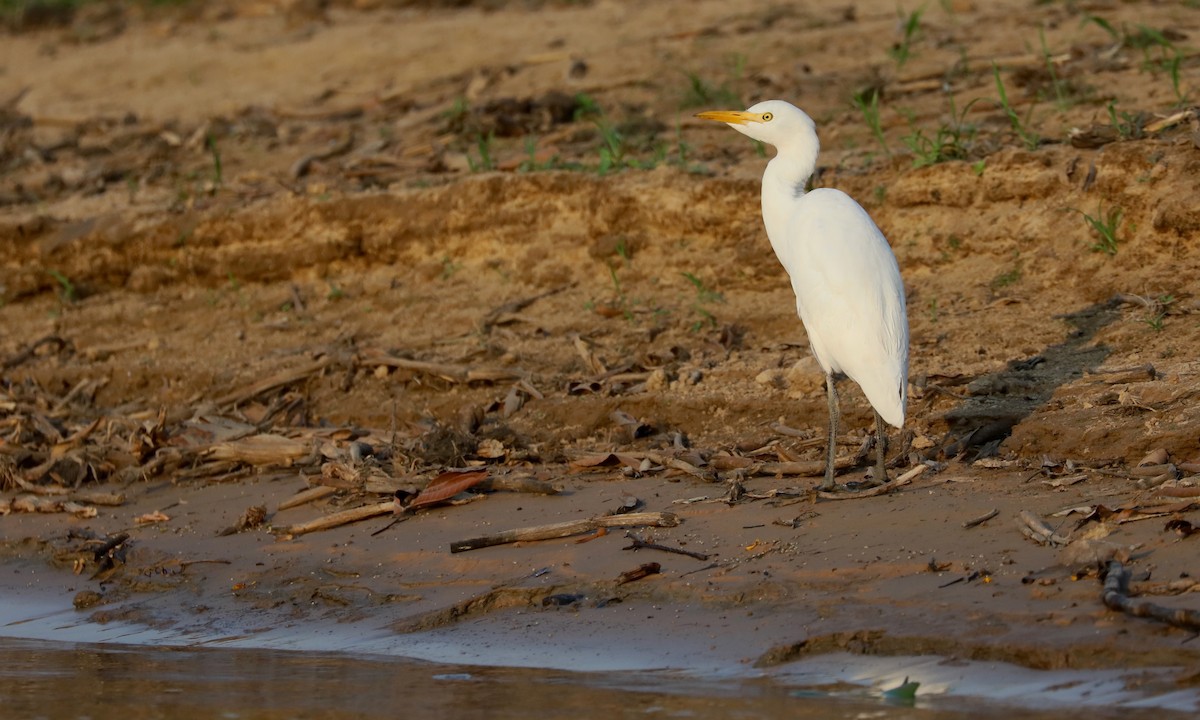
[[767, 117]]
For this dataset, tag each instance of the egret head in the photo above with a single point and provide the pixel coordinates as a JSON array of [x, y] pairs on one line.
[[774, 122]]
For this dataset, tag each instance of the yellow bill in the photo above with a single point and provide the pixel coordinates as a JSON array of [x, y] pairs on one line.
[[736, 117]]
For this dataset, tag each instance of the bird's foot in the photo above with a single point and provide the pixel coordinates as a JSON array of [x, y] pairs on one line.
[[868, 482], [865, 484]]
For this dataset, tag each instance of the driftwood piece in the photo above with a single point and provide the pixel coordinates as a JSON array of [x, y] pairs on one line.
[[262, 450], [566, 529], [1115, 596], [40, 504], [338, 519], [96, 497]]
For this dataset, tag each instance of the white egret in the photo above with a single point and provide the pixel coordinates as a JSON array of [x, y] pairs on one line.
[[848, 289]]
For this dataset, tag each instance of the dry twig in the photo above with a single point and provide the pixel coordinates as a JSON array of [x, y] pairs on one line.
[[340, 518], [883, 489], [975, 522], [636, 543], [566, 529]]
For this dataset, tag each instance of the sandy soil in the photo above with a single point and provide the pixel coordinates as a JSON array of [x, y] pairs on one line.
[[241, 238]]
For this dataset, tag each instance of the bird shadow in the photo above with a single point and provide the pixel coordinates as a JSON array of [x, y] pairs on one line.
[[998, 401]]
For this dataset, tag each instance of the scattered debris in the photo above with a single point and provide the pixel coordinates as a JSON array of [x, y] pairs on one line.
[[1182, 527], [639, 572], [254, 517], [562, 599], [150, 518]]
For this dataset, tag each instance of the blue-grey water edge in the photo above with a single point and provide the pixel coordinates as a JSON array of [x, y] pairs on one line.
[[60, 681]]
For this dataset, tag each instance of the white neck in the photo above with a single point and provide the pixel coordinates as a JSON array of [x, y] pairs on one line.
[[783, 183]]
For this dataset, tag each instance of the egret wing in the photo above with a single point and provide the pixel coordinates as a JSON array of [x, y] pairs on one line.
[[850, 296]]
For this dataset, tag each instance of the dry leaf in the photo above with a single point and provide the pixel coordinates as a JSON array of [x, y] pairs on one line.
[[445, 486]]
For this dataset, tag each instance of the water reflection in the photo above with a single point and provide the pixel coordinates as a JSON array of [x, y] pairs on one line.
[[58, 681]]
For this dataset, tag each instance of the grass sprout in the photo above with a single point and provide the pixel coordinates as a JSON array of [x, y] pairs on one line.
[[1029, 138], [867, 103], [950, 141], [66, 289], [1105, 225], [901, 51]]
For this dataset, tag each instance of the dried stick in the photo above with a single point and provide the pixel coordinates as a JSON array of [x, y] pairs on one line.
[[516, 306], [446, 371], [566, 529], [337, 519], [286, 377], [30, 351], [883, 489], [639, 544], [340, 147], [307, 496], [1116, 597], [981, 519], [803, 468]]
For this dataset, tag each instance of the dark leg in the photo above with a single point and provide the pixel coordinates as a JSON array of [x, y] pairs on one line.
[[831, 448], [881, 447]]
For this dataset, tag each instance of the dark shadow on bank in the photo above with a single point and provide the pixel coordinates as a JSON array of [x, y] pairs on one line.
[[995, 403]]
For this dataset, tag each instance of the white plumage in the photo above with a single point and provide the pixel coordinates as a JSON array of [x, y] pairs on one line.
[[849, 293]]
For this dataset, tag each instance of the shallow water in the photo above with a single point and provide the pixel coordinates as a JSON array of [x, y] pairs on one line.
[[57, 663], [57, 681]]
